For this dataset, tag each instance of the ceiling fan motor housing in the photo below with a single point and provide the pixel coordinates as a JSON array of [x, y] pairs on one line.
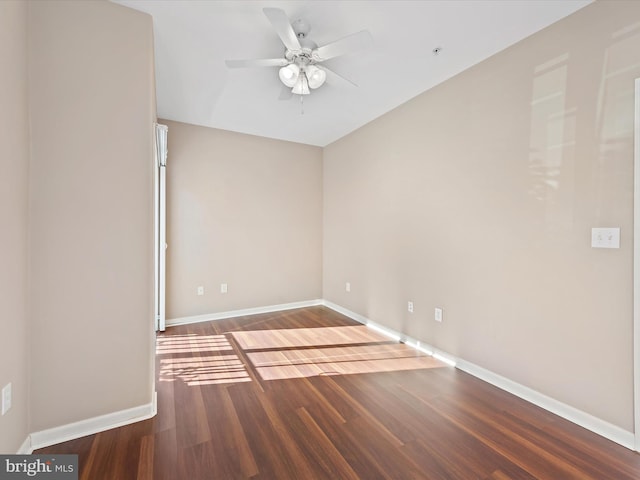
[[301, 28]]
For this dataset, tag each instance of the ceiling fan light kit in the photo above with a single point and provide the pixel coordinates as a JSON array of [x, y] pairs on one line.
[[298, 69], [302, 86], [316, 76], [289, 75], [301, 80]]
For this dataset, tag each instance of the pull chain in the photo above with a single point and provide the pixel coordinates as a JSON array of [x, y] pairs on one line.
[[301, 104]]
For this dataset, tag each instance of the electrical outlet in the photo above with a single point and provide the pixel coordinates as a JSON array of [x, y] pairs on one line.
[[438, 314], [6, 398], [605, 237], [347, 287], [223, 288], [201, 290], [410, 307]]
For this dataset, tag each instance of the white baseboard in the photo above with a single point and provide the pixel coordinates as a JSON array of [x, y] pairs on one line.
[[583, 419], [412, 342], [90, 426], [348, 313], [25, 448], [124, 417], [241, 313]]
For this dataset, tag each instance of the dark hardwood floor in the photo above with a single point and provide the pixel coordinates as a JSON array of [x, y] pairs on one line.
[[266, 397]]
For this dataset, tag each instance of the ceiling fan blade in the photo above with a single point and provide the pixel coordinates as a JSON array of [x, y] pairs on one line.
[[263, 62], [336, 79], [283, 27], [348, 44]]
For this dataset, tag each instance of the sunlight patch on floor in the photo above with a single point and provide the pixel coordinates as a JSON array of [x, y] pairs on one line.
[[307, 352], [279, 354], [306, 337], [171, 344], [180, 363], [208, 370]]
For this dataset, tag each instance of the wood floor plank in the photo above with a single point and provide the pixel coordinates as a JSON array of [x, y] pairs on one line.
[[457, 452], [323, 449], [165, 455], [106, 456], [268, 448], [227, 436], [371, 418], [241, 449], [145, 460], [86, 463], [381, 451], [519, 449], [308, 394], [356, 454]]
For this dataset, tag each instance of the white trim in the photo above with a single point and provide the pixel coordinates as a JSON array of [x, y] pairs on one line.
[[25, 448], [90, 426], [412, 342], [241, 313], [154, 404], [124, 417], [636, 270], [596, 425], [160, 224], [347, 313]]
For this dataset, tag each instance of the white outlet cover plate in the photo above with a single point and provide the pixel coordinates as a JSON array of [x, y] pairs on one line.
[[438, 314], [605, 237]]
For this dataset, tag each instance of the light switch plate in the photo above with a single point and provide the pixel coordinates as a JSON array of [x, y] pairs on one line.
[[605, 237]]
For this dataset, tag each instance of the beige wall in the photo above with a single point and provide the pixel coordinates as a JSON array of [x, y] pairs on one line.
[[14, 162], [242, 210], [479, 196], [91, 225]]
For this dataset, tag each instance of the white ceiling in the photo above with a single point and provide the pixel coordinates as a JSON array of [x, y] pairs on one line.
[[194, 38]]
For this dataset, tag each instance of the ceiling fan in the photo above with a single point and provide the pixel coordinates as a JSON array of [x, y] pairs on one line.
[[299, 67]]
